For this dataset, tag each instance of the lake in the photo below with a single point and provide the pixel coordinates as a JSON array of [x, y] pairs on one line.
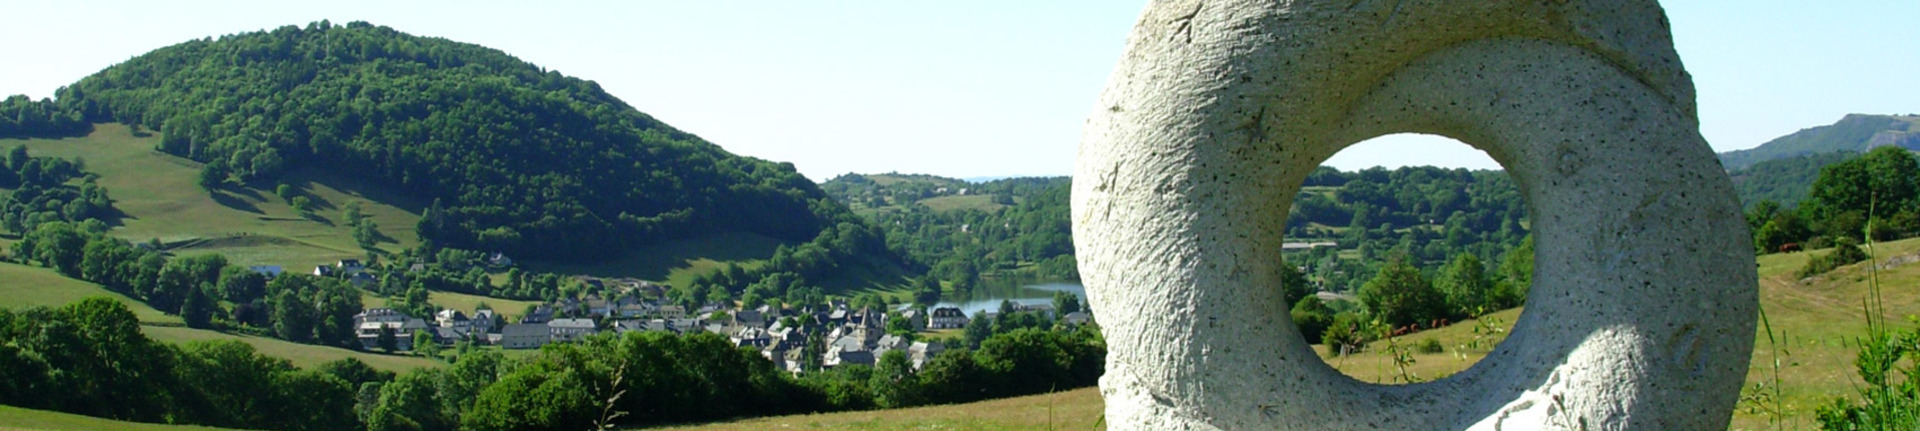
[[987, 296]]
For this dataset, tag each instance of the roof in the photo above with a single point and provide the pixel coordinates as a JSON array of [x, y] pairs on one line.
[[571, 323]]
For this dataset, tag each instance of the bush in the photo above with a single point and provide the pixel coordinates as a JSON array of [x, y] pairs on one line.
[[1844, 252], [1429, 346], [1312, 317], [1349, 333]]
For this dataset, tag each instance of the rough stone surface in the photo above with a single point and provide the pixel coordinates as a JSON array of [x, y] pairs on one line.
[[1642, 311]]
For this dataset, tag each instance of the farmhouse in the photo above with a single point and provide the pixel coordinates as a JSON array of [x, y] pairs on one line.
[[947, 318]]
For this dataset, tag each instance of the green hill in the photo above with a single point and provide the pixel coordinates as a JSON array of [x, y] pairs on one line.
[[1855, 132], [494, 153], [1785, 181]]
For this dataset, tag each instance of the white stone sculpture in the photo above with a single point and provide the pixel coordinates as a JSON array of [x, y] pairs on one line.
[[1642, 310]]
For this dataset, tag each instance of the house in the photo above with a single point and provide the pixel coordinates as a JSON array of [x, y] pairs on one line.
[[749, 318], [921, 352], [837, 356], [323, 271], [499, 260], [482, 320], [672, 312], [1077, 318], [368, 331], [541, 314], [636, 325], [570, 329], [1043, 309], [417, 267], [916, 319], [889, 343], [635, 310], [270, 271], [524, 335], [450, 318], [361, 279], [380, 315], [349, 266], [947, 318], [750, 337], [446, 336], [599, 307]]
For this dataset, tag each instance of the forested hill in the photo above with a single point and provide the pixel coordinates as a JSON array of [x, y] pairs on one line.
[[517, 158], [1428, 215], [1783, 181], [1855, 132]]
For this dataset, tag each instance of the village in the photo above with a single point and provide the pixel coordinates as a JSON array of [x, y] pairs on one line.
[[850, 335]]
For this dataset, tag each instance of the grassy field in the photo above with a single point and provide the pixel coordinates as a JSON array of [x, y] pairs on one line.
[[677, 262], [161, 199], [1079, 409], [956, 203], [302, 355], [466, 303], [26, 286], [15, 418]]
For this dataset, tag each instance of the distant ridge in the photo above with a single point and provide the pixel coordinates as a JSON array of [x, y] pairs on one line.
[[1854, 132]]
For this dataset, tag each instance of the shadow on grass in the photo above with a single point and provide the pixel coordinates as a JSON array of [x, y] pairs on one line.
[[225, 197]]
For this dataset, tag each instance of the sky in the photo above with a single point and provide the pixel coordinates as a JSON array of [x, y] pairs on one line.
[[968, 89]]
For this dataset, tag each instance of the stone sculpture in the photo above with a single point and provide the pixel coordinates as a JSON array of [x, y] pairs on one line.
[[1642, 310]]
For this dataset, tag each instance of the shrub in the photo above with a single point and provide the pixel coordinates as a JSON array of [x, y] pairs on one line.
[[1349, 333], [1844, 252], [1428, 346]]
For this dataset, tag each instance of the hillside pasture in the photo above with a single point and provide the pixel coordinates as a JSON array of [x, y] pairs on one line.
[[676, 262], [160, 197], [26, 286], [19, 419]]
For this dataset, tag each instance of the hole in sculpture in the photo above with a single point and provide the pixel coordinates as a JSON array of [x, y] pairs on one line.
[[1414, 256]]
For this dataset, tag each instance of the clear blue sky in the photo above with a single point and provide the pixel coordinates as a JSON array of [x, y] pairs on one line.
[[958, 88]]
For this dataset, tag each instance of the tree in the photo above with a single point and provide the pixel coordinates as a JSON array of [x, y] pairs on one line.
[[352, 213], [424, 345], [1886, 181], [978, 329], [1293, 283], [196, 309], [366, 233], [1312, 317], [303, 205], [1065, 303], [1399, 296], [926, 289], [894, 384], [292, 319], [1464, 284], [1517, 268], [386, 340], [239, 284], [213, 174]]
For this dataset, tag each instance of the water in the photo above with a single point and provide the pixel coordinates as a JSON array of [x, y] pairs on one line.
[[987, 296]]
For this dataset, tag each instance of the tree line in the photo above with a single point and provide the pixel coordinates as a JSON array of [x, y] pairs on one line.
[[90, 358], [23, 117], [1881, 186]]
